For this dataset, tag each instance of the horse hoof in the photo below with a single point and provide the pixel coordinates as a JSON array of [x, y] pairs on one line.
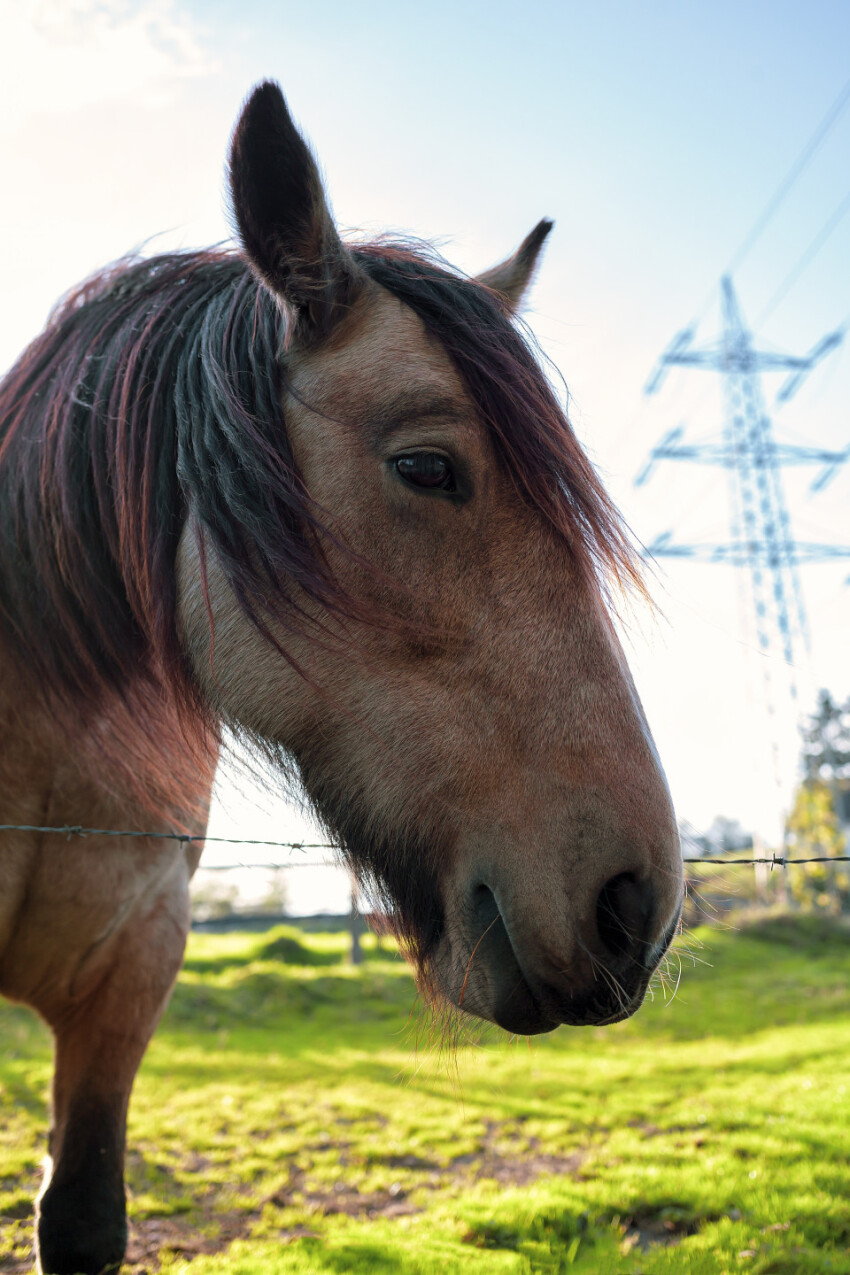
[[79, 1234]]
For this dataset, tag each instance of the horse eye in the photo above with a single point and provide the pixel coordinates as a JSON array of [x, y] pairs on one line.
[[426, 469]]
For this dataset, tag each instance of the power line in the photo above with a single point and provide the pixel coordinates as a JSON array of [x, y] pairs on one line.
[[805, 258], [802, 161], [776, 200]]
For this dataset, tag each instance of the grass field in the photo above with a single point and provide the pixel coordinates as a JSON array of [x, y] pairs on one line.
[[293, 1115]]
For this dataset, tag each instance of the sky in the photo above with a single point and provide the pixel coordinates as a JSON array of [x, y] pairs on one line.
[[653, 133]]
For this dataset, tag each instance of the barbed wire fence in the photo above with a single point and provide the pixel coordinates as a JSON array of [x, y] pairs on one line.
[[76, 830], [706, 905]]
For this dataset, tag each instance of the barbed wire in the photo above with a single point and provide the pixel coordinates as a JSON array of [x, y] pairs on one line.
[[77, 830], [775, 861]]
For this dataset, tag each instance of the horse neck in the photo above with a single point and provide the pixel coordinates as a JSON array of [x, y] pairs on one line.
[[31, 750], [136, 759]]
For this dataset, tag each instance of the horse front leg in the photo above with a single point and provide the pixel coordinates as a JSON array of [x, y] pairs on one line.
[[101, 1037]]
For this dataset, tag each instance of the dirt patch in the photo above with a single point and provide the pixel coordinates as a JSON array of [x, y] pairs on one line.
[[522, 1170], [657, 1131], [343, 1198], [410, 1162], [22, 1261], [16, 1226], [513, 1168], [153, 1238], [653, 1228], [354, 1203]]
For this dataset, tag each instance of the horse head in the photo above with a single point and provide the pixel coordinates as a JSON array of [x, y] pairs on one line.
[[448, 680]]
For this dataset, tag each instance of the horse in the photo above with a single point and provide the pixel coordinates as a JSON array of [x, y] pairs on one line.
[[323, 495]]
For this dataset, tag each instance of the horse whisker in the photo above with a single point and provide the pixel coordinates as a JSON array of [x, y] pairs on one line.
[[472, 958]]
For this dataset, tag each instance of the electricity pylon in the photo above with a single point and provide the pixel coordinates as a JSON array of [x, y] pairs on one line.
[[761, 536]]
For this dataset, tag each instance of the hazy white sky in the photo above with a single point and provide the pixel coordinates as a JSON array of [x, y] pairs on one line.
[[653, 133]]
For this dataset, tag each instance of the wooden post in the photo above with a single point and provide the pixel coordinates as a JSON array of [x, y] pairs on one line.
[[760, 870], [355, 924]]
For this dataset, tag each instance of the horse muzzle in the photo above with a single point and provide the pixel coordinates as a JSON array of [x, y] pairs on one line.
[[591, 970]]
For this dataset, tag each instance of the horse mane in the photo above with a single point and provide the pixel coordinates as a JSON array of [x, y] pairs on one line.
[[154, 395]]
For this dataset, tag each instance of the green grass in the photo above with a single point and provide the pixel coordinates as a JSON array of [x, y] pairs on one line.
[[294, 1115]]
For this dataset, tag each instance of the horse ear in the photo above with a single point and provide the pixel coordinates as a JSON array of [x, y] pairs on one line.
[[513, 277], [283, 218]]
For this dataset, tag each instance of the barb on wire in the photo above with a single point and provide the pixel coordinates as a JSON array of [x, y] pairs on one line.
[[775, 861], [76, 830]]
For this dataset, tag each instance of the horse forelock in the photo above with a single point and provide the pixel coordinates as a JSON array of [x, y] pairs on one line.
[[155, 395], [531, 432]]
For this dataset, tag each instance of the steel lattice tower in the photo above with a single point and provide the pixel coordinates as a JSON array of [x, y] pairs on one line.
[[761, 536]]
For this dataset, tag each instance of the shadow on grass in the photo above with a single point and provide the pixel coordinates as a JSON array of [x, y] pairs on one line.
[[283, 946], [732, 994], [355, 1257], [265, 997], [811, 934]]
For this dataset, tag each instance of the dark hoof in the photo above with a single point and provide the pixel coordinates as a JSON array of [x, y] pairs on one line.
[[80, 1231]]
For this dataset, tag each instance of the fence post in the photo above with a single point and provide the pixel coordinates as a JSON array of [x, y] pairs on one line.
[[781, 892], [355, 924], [760, 870]]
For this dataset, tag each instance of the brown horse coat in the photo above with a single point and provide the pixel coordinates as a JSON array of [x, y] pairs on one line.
[[326, 496]]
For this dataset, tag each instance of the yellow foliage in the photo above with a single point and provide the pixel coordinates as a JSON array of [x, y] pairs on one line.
[[814, 832]]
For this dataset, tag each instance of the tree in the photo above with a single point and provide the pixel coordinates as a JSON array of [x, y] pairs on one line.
[[728, 834], [276, 897], [826, 741], [213, 898], [814, 832]]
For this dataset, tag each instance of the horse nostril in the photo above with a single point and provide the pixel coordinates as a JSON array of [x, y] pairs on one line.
[[624, 914], [484, 906]]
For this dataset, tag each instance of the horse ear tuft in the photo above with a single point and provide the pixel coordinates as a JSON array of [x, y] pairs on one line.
[[513, 277], [282, 215]]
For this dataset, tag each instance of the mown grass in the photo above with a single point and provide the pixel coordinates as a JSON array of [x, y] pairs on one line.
[[294, 1115]]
